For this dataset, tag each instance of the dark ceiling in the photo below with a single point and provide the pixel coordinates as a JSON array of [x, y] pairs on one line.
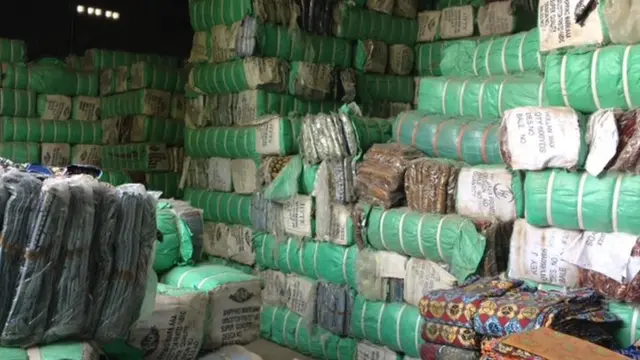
[[52, 28]]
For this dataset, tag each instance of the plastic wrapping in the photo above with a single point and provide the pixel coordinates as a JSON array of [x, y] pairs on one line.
[[386, 87], [405, 8], [424, 276], [381, 6], [233, 242], [212, 174], [17, 102], [356, 23], [283, 177], [376, 271], [64, 350], [205, 14], [54, 107], [137, 102], [371, 56], [400, 59], [144, 157], [614, 141], [321, 82], [266, 215], [130, 129], [380, 179], [430, 351], [534, 138], [143, 75], [13, 50], [627, 334], [221, 207], [334, 304], [431, 184]]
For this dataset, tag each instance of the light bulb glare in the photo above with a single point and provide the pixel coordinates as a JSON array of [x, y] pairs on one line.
[[90, 11], [115, 16], [108, 14], [80, 9], [98, 12]]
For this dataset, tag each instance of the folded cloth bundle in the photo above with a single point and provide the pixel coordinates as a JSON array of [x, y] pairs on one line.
[[430, 351]]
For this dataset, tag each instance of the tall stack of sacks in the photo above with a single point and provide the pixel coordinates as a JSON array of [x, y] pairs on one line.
[[384, 32], [142, 114], [307, 253]]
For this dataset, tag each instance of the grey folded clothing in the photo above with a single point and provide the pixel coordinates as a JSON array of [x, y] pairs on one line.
[[333, 307]]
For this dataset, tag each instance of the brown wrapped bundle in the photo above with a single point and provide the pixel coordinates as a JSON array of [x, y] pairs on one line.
[[496, 254], [430, 185], [628, 153], [380, 179], [629, 292]]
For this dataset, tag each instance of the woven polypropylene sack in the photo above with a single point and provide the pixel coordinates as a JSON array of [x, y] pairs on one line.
[[144, 75], [486, 97], [136, 102], [50, 78], [18, 103], [579, 201], [128, 129], [136, 157], [356, 23], [205, 14], [591, 80], [287, 328], [21, 152], [395, 325], [221, 207], [472, 140], [452, 239], [50, 131]]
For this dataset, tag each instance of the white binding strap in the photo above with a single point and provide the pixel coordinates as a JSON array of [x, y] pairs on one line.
[[616, 200], [520, 54], [487, 57], [504, 55], [461, 102], [362, 317], [420, 246], [625, 77], [398, 326], [380, 322], [439, 246], [634, 325], [384, 215], [444, 97], [475, 61], [549, 198], [583, 179], [594, 82], [563, 81]]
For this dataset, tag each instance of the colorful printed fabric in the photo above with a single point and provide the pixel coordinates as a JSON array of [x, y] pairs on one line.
[[457, 336], [443, 352], [494, 349]]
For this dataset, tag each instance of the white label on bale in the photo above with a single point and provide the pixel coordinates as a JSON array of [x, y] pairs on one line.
[[299, 293], [235, 314], [275, 286], [559, 29], [137, 75], [539, 138], [56, 107], [268, 138], [486, 192], [341, 225], [496, 18], [391, 265], [536, 254], [368, 351], [297, 216], [219, 174], [457, 22], [55, 155], [244, 173], [606, 253], [247, 109], [424, 276], [428, 25], [603, 139], [400, 59], [86, 154], [239, 243], [175, 329], [158, 158], [215, 236], [156, 103], [177, 106], [383, 6], [199, 47], [87, 108]]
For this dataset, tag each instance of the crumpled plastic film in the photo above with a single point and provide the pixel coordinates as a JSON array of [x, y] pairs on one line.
[[614, 141], [431, 184], [371, 56], [334, 304]]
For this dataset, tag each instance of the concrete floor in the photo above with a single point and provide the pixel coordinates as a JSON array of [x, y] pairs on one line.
[[271, 351]]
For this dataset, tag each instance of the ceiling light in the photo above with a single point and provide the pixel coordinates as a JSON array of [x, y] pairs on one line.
[[115, 16], [98, 12], [108, 13], [90, 11], [80, 9]]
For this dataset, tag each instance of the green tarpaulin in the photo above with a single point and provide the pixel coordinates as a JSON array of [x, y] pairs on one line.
[[12, 50], [486, 97], [295, 178], [356, 24], [590, 80], [385, 87], [239, 75], [100, 59], [20, 152], [576, 201], [50, 131], [227, 208], [287, 328], [452, 239], [175, 248], [428, 57], [18, 103], [395, 325], [629, 333], [472, 140], [50, 77]]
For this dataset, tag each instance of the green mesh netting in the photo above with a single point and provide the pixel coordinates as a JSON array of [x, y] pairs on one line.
[[50, 131], [50, 77], [101, 59], [287, 328], [135, 157], [18, 103], [472, 140], [12, 50], [21, 152], [356, 23], [486, 97], [221, 207], [385, 87], [317, 260], [452, 239], [137, 102], [590, 80], [576, 201], [395, 325]]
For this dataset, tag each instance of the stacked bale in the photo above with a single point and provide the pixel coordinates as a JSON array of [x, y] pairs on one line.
[[142, 114]]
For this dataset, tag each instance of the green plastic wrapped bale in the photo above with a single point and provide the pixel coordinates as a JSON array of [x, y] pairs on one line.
[[85, 108], [115, 178], [485, 97], [137, 102], [143, 75], [18, 103], [370, 131], [451, 239], [471, 140], [214, 260], [443, 4], [287, 328], [101, 59], [311, 81], [292, 178], [54, 107], [429, 57], [239, 75], [301, 106], [383, 109], [221, 207], [135, 129], [629, 333], [86, 155], [503, 55], [317, 260], [167, 182], [74, 62], [395, 325], [385, 87], [234, 299], [205, 14], [371, 56], [50, 131], [356, 23], [579, 201], [50, 77], [176, 247], [12, 51], [591, 80], [58, 351], [21, 152], [136, 157]]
